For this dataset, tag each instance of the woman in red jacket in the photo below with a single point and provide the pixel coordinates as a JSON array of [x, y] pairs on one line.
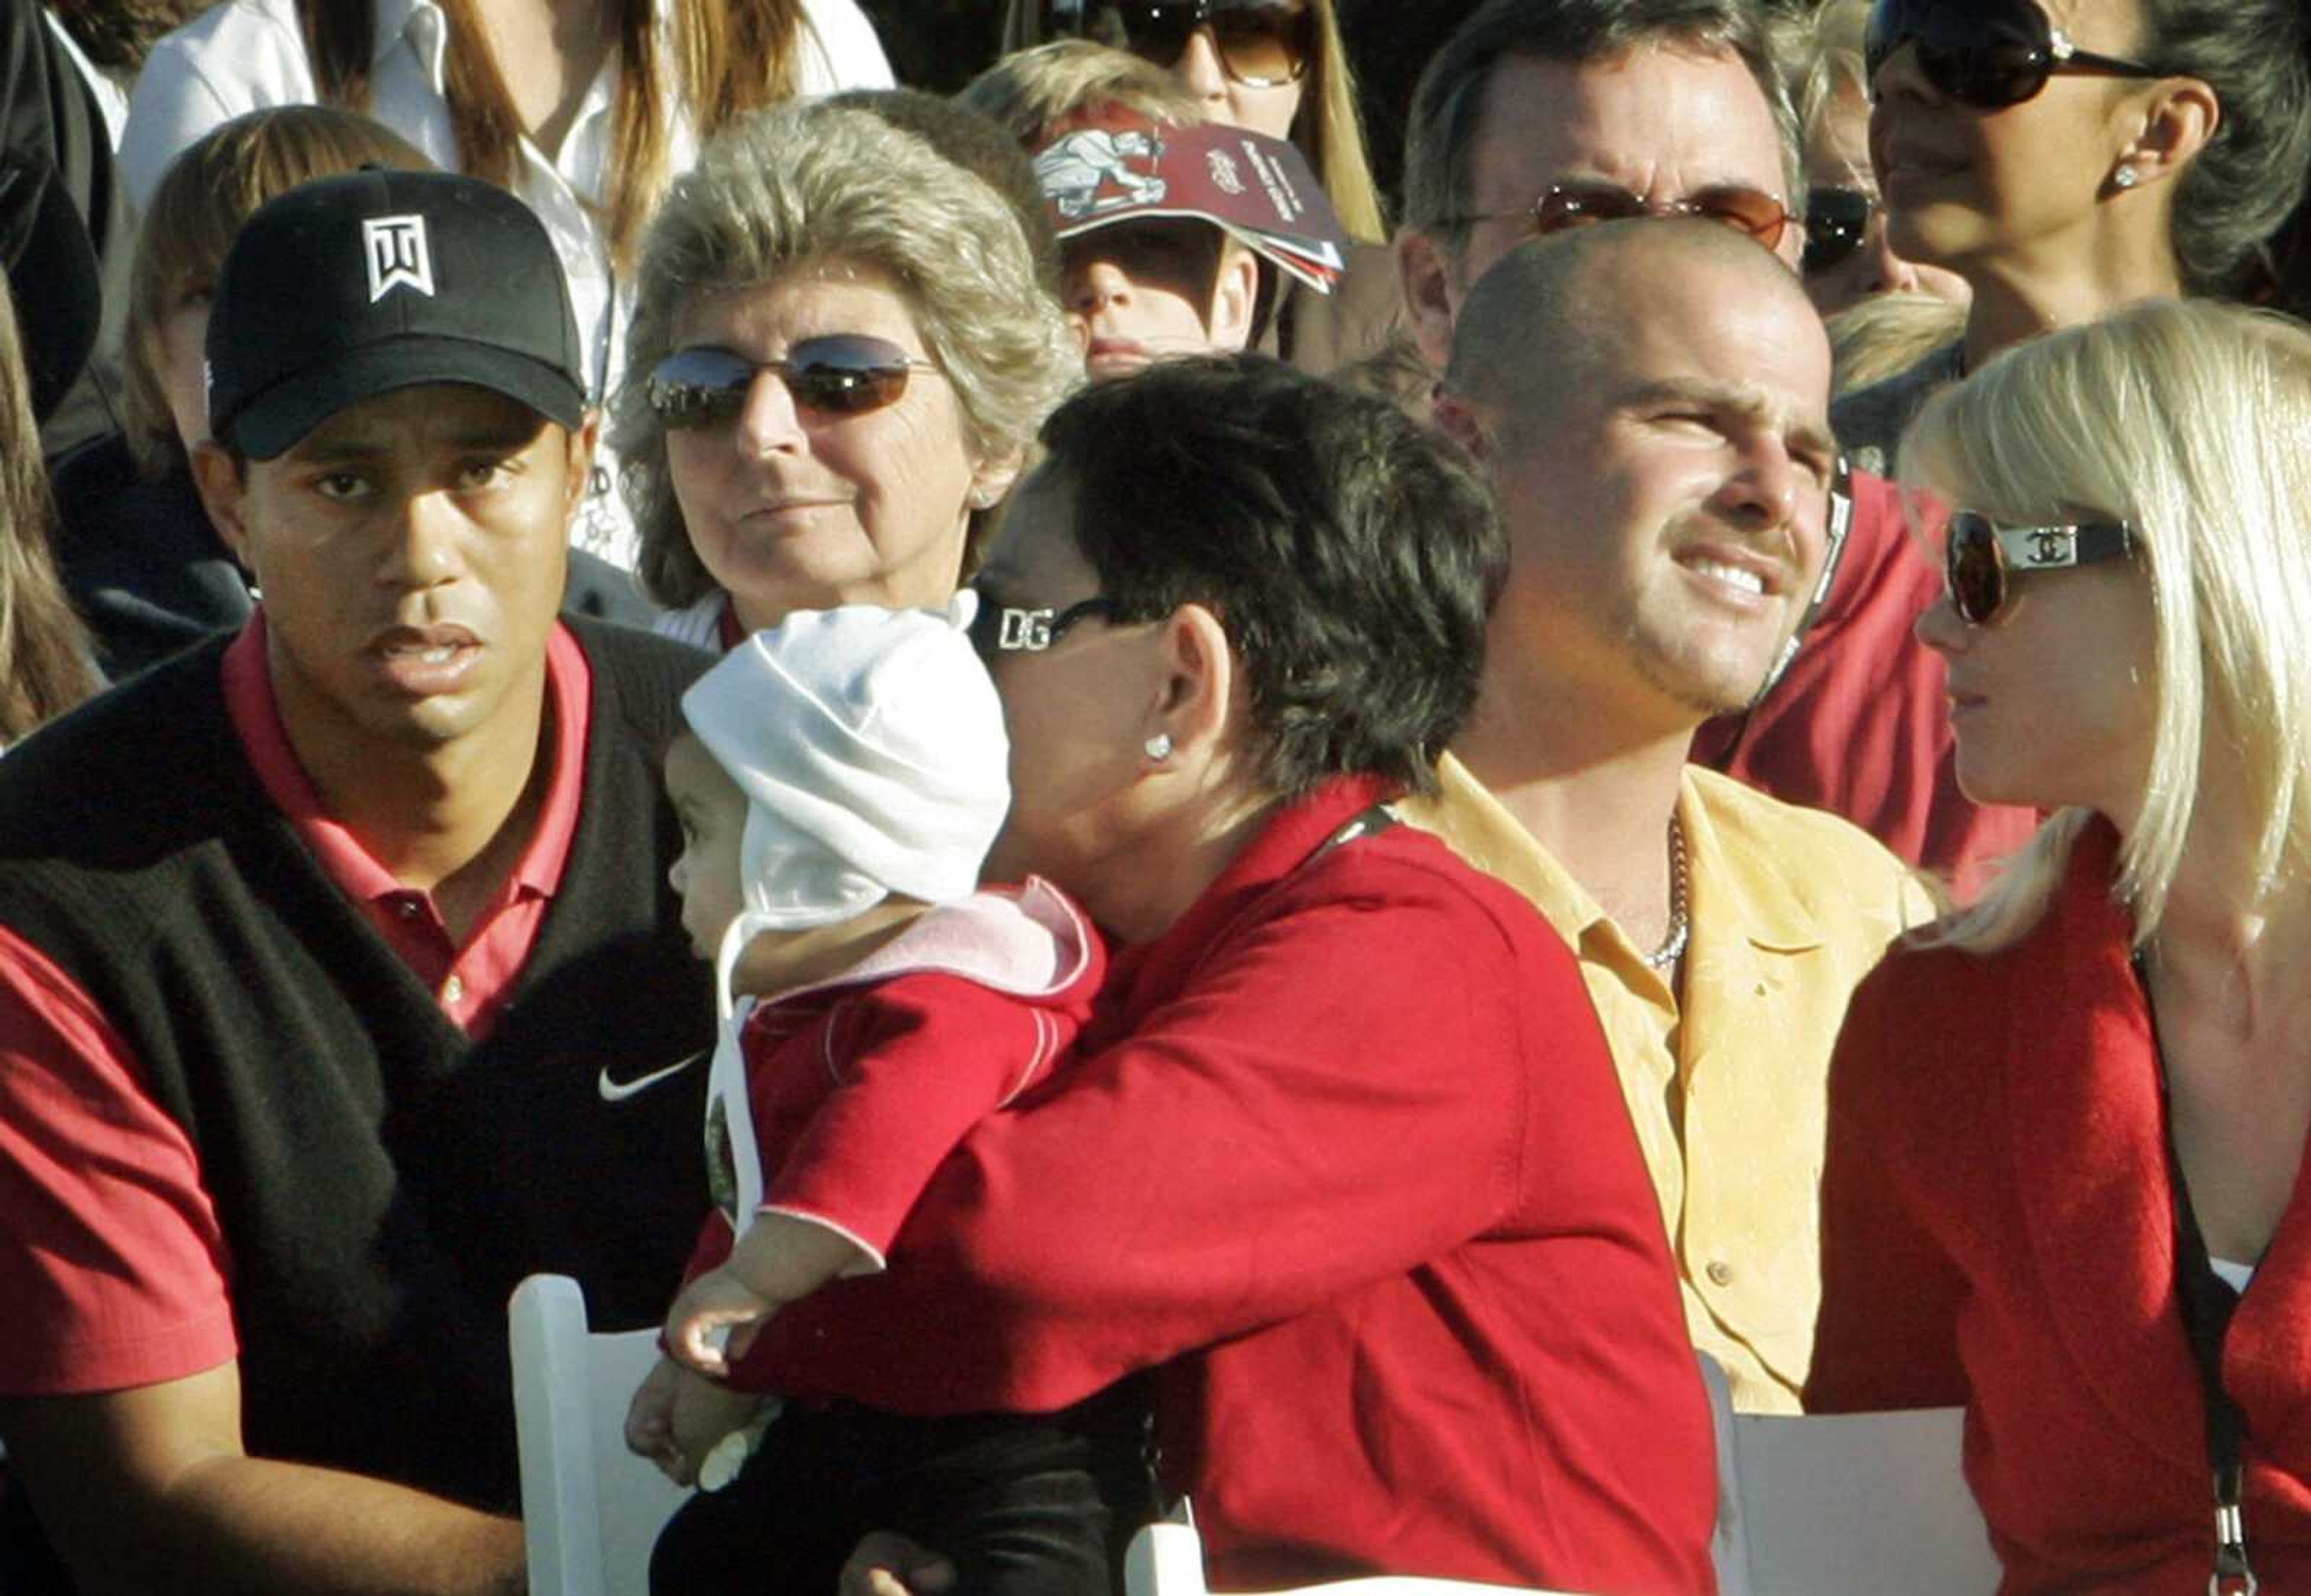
[[2066, 1133], [1341, 1160]]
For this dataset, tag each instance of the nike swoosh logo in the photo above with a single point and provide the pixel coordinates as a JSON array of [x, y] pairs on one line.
[[619, 1091]]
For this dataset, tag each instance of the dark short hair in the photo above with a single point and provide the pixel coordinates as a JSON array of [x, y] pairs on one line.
[[1352, 556], [1441, 132]]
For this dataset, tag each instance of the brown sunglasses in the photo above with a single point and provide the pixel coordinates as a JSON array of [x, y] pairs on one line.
[[1747, 210]]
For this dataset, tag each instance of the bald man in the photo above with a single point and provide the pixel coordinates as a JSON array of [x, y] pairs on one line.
[[1662, 460]]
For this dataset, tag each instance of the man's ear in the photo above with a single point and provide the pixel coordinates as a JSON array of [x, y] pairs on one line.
[[583, 442], [1423, 276], [1196, 705], [1455, 416], [218, 479], [1234, 295]]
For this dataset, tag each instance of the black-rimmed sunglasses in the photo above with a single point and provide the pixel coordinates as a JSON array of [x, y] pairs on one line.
[[1564, 206], [1979, 556], [1836, 220], [997, 628], [1984, 53], [1260, 43], [836, 374]]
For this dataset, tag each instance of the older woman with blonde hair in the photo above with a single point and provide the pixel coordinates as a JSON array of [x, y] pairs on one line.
[[2066, 1130], [841, 353]]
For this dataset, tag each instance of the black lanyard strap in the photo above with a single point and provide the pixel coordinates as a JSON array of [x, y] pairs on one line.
[[2208, 1303]]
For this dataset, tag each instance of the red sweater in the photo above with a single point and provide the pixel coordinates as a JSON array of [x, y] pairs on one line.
[[1998, 1230], [1345, 1156]]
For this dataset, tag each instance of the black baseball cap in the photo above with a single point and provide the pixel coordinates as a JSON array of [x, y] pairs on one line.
[[352, 286]]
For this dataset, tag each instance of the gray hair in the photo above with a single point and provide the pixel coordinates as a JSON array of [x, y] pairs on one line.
[[2250, 176], [806, 184], [2191, 421], [1446, 107]]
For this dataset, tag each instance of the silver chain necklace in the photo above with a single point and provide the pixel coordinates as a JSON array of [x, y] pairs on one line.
[[1680, 928]]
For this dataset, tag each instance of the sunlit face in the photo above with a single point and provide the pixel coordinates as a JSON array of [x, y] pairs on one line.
[[1074, 712], [792, 509], [1141, 292], [1837, 156], [184, 367], [2053, 701], [412, 551], [1268, 109], [1666, 505], [1666, 123], [1978, 191], [713, 815]]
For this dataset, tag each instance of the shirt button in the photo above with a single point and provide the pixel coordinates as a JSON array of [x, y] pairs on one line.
[[453, 990], [1720, 1272], [409, 908]]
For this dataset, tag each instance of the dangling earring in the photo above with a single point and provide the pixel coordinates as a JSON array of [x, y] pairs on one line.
[[1159, 746], [2123, 178]]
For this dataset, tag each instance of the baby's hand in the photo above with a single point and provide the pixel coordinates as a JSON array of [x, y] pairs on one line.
[[650, 1423], [717, 1302], [703, 1414]]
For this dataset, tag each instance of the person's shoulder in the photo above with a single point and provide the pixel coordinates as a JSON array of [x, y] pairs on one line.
[[1833, 867], [639, 675], [1410, 871], [142, 743], [235, 22]]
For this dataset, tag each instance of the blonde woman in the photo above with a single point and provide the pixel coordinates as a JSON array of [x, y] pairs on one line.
[[2066, 1131], [586, 108]]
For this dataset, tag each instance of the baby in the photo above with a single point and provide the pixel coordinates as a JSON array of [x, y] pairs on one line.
[[842, 778]]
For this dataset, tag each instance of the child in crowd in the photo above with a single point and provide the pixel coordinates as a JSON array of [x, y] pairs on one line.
[[1173, 228], [844, 777]]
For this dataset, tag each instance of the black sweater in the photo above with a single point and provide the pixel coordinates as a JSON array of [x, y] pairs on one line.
[[381, 1180]]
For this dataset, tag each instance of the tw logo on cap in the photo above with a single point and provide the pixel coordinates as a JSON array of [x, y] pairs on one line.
[[399, 257]]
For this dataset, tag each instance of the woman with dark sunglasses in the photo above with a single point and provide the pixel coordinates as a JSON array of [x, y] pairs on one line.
[[2068, 157], [840, 351], [2067, 1127]]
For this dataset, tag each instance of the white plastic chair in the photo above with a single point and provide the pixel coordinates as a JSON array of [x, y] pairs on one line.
[[1821, 1505], [1167, 1559], [590, 1509], [1828, 1504]]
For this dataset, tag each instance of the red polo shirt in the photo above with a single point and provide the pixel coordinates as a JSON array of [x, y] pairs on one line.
[[116, 1273]]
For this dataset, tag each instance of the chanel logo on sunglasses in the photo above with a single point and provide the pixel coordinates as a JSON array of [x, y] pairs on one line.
[[2050, 545]]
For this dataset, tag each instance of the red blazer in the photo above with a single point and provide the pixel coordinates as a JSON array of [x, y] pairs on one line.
[[1998, 1230], [1344, 1159]]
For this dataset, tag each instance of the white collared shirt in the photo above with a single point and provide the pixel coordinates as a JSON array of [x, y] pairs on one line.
[[245, 54]]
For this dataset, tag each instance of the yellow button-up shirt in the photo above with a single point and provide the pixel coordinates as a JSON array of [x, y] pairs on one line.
[[1789, 909]]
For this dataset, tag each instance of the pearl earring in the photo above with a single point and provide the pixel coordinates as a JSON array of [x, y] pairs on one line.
[[1159, 746], [2123, 178]]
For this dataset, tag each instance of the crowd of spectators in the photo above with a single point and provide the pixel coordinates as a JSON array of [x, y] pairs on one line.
[[1140, 806]]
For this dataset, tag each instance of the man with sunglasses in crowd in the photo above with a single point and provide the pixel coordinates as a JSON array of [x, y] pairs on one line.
[[340, 983], [1638, 108], [1540, 116]]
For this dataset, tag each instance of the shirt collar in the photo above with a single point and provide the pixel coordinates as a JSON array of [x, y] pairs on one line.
[[427, 31], [1732, 885], [255, 715]]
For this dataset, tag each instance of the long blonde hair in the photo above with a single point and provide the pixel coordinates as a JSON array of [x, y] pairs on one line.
[[1327, 127], [732, 55], [2191, 422]]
